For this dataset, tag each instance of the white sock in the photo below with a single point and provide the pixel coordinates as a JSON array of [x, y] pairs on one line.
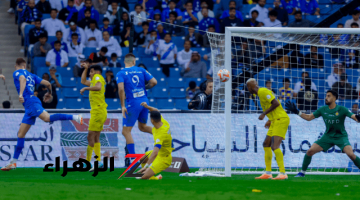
[[281, 173], [13, 161], [267, 172], [75, 117], [303, 171]]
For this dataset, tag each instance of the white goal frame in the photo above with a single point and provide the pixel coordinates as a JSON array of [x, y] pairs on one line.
[[228, 85]]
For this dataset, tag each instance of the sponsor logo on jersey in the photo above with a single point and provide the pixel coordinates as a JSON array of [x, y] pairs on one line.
[[337, 113]]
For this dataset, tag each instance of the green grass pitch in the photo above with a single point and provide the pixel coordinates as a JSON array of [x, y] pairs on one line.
[[33, 183]]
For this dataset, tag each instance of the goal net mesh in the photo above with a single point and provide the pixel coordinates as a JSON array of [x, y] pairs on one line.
[[284, 63]]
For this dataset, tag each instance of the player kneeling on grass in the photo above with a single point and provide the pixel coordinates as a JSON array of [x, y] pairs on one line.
[[335, 133], [160, 158]]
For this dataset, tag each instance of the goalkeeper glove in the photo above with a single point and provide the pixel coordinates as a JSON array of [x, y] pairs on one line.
[[358, 117], [291, 107]]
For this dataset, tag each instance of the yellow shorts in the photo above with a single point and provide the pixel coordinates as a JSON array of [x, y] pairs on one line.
[[279, 127], [160, 163], [97, 121]]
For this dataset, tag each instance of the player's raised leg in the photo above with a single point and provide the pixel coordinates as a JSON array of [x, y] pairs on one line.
[[46, 117], [267, 157], [350, 153], [24, 128], [315, 148]]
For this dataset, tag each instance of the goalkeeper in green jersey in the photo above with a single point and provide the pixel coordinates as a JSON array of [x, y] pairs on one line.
[[335, 133]]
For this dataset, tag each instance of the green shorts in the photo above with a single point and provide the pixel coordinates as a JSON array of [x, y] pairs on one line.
[[326, 142]]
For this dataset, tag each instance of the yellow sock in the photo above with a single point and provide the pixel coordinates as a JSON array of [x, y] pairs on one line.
[[89, 151], [97, 151], [280, 160], [268, 157], [153, 178]]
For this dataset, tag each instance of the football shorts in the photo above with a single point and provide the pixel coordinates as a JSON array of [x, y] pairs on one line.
[[135, 112], [326, 142], [279, 127], [97, 120]]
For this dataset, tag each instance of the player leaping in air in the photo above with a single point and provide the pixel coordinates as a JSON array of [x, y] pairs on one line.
[[131, 82], [278, 124], [335, 133], [25, 85], [160, 158], [98, 113]]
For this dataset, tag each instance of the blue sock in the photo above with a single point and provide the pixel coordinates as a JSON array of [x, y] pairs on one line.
[[19, 147], [131, 148], [56, 117]]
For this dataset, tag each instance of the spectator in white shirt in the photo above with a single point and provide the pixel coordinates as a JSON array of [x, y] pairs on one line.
[[74, 29], [355, 18], [336, 72], [166, 53], [263, 12], [74, 47], [57, 56], [93, 35], [153, 44], [111, 43], [184, 56], [114, 14], [138, 13], [58, 4], [52, 25], [272, 21]]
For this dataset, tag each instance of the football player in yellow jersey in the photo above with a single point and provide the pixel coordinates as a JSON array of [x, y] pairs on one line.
[[98, 113], [160, 158], [277, 124]]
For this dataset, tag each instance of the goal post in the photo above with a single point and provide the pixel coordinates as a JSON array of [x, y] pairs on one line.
[[234, 139]]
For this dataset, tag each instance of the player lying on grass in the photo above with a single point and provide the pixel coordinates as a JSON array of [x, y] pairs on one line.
[[25, 85], [160, 158], [98, 113], [131, 83], [335, 133], [278, 124]]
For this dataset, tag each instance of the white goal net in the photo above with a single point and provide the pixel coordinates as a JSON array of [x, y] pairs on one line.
[[299, 65]]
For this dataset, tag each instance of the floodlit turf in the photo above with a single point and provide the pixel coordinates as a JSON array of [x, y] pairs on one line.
[[33, 183]]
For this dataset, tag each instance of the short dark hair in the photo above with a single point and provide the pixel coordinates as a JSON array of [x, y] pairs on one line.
[[355, 12], [286, 80], [6, 104], [113, 55], [273, 13], [354, 24], [192, 84], [333, 92], [267, 81], [155, 115], [257, 12], [167, 34], [87, 10], [53, 9], [305, 73], [58, 32], [96, 68], [232, 1], [188, 2], [145, 23], [106, 19], [173, 13], [138, 5], [298, 12], [104, 49], [93, 21], [340, 24], [187, 41], [38, 20], [57, 42], [20, 61], [74, 34], [212, 26], [42, 35]]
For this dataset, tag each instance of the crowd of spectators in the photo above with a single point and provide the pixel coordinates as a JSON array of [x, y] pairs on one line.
[[76, 25]]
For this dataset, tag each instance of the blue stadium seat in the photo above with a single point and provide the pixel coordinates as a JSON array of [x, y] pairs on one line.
[[59, 93], [246, 8], [45, 16], [177, 93], [352, 72], [160, 92], [156, 72], [68, 82], [42, 70], [100, 22], [74, 103], [325, 9], [182, 104], [71, 92], [39, 62], [61, 104], [26, 34], [197, 80], [137, 28], [165, 104], [152, 102], [72, 61], [88, 50], [150, 62], [324, 1], [202, 51], [113, 104], [51, 39], [177, 83], [316, 73], [141, 53], [161, 82], [178, 41], [65, 71], [175, 72], [115, 70]]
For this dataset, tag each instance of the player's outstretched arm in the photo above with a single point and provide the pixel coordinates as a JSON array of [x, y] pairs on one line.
[[290, 106], [151, 83], [84, 74], [148, 107], [356, 117], [97, 87], [150, 160]]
